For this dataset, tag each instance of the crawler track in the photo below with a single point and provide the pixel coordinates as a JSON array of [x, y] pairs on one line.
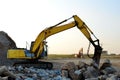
[[36, 64]]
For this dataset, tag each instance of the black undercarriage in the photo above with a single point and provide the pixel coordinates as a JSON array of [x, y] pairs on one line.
[[36, 64]]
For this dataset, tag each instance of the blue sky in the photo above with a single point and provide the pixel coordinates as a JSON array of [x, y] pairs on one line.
[[23, 20]]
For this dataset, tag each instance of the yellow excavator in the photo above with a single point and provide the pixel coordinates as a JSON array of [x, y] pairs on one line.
[[38, 48]]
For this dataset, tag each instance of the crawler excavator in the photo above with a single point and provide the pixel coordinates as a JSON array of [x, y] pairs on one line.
[[39, 48]]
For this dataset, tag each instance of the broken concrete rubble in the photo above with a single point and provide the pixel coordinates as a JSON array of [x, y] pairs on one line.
[[31, 73], [107, 68], [69, 68], [73, 73], [81, 65], [92, 72]]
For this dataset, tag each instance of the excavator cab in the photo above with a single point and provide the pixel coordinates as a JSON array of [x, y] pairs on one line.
[[44, 52]]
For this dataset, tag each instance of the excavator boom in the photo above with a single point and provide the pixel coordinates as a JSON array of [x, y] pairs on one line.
[[59, 28]]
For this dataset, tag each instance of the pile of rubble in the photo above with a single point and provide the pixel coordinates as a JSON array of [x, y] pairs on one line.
[[31, 73], [92, 71], [6, 43], [68, 71]]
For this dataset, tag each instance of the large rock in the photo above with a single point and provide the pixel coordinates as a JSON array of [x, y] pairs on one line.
[[69, 66], [6, 43], [68, 70]]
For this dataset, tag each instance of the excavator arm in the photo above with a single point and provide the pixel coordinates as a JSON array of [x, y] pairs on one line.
[[38, 45]]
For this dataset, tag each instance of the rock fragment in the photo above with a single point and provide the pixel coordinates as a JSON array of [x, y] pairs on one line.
[[64, 73], [69, 66], [6, 74], [107, 68], [69, 69], [81, 65]]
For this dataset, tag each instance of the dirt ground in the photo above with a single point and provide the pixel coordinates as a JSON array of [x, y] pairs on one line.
[[59, 62]]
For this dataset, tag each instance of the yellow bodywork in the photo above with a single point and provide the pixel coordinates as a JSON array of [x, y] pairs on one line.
[[17, 54]]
